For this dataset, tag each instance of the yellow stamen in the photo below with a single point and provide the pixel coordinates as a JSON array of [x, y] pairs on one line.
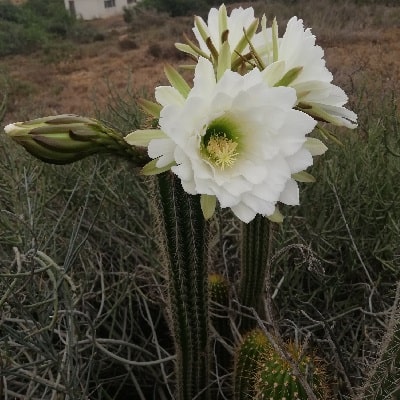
[[222, 151]]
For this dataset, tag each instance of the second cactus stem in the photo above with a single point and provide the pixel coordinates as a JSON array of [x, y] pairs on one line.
[[255, 247], [183, 241]]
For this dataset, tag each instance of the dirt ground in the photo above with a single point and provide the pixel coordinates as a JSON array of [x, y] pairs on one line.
[[83, 79]]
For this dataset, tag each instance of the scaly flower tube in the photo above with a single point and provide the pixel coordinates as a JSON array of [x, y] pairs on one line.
[[235, 139], [66, 138]]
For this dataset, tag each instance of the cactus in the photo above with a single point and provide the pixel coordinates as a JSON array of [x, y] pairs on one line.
[[255, 244], [218, 288], [262, 373], [182, 242], [275, 379], [249, 358]]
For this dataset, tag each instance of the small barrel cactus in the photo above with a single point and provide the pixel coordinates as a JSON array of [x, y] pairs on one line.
[[218, 288], [250, 355], [262, 373], [275, 379]]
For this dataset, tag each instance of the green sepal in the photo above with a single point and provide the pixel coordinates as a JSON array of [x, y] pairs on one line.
[[142, 137], [258, 60], [289, 77], [223, 24], [212, 48], [276, 216], [185, 48], [224, 60], [328, 135], [303, 176], [177, 80], [251, 30], [321, 115], [151, 169], [198, 22], [315, 146], [208, 204], [197, 50], [275, 45], [150, 107]]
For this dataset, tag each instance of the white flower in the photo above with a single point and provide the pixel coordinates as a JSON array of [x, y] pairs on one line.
[[222, 34], [299, 63], [236, 139], [239, 18]]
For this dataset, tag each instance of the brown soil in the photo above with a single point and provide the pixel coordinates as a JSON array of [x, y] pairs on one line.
[[42, 86]]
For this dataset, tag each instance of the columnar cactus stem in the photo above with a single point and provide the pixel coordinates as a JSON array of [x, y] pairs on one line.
[[249, 356], [218, 288], [183, 241], [255, 247]]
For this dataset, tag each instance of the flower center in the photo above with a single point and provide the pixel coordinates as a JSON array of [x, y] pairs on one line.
[[222, 150], [221, 142]]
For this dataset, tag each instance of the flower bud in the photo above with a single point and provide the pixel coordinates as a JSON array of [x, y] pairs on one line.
[[66, 138]]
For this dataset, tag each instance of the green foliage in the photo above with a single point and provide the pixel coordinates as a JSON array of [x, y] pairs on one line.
[[177, 8], [36, 23], [174, 7]]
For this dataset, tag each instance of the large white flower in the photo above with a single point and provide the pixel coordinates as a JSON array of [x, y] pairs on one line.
[[299, 63], [236, 139]]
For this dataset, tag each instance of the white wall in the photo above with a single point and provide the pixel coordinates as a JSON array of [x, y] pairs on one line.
[[91, 9]]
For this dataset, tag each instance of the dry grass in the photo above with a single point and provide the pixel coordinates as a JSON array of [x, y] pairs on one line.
[[70, 323]]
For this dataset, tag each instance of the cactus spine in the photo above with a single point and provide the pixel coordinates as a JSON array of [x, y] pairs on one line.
[[182, 240]]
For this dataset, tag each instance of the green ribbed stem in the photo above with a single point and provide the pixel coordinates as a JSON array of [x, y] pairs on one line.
[[184, 243], [262, 373], [249, 355], [276, 380], [218, 288], [255, 247]]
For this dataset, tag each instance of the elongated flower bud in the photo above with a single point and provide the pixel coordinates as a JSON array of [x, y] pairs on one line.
[[64, 139]]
